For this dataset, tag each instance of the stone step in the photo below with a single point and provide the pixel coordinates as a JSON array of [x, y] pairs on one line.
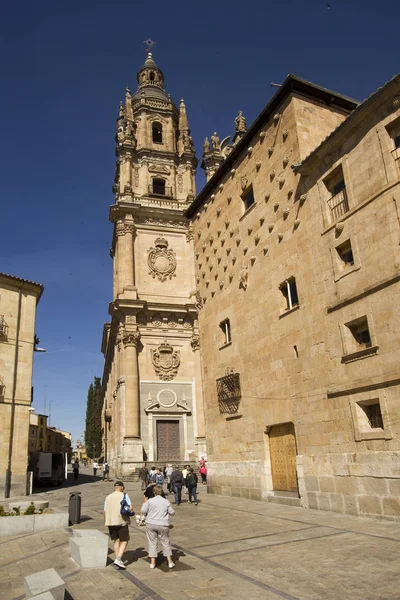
[[287, 500]]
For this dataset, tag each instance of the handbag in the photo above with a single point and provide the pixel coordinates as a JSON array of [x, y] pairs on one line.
[[140, 520], [125, 508]]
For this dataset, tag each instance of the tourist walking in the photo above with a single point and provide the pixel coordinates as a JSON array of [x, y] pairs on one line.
[[191, 482], [203, 473], [159, 478], [168, 473], [152, 475], [95, 467], [176, 485], [144, 476], [202, 462], [117, 524], [106, 470], [75, 469], [157, 511], [184, 474], [149, 491]]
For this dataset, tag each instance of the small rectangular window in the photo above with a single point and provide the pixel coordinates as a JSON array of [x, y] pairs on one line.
[[248, 197], [336, 186], [373, 414], [226, 331], [345, 253], [289, 291], [360, 333]]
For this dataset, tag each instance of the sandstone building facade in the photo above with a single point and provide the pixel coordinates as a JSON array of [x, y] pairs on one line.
[[153, 403], [18, 301], [296, 241]]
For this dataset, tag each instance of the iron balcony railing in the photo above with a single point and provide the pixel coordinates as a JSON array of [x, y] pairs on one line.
[[160, 190], [339, 205]]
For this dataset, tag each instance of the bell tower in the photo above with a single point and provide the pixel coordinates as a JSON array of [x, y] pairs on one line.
[[153, 404]]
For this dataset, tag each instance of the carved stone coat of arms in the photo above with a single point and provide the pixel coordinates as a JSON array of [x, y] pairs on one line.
[[161, 261], [165, 361]]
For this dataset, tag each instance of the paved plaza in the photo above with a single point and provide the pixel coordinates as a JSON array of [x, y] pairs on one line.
[[223, 548]]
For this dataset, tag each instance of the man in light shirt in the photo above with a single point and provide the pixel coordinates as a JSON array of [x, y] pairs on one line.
[[117, 524]]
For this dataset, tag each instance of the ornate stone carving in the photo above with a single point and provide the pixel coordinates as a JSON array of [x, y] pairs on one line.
[[136, 176], [216, 142], [164, 169], [187, 323], [189, 233], [165, 361], [195, 342], [296, 223], [243, 278], [131, 338], [270, 150], [285, 134], [396, 102], [131, 319], [303, 198], [243, 182], [286, 212], [198, 301], [161, 261], [240, 122], [180, 183], [206, 145], [172, 321], [120, 229], [157, 320]]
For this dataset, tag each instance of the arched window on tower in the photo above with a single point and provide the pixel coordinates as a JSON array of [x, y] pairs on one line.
[[151, 76], [157, 132], [158, 187]]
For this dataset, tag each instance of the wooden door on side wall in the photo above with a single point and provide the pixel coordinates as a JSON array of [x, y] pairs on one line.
[[168, 443], [282, 443]]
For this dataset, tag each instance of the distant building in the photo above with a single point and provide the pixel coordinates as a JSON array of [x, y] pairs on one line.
[[80, 451], [18, 301], [43, 438], [296, 241]]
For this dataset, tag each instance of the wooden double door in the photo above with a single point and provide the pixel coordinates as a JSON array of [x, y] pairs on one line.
[[282, 443], [168, 440]]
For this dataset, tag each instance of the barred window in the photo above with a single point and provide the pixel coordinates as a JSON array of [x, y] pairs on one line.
[[229, 393]]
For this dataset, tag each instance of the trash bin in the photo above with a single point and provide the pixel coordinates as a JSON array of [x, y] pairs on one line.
[[74, 513]]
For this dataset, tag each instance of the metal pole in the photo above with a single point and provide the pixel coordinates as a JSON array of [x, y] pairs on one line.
[[14, 389]]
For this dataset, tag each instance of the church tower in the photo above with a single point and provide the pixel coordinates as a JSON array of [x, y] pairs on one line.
[[153, 404]]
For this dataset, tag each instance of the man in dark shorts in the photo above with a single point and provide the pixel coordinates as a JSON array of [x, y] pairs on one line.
[[117, 524]]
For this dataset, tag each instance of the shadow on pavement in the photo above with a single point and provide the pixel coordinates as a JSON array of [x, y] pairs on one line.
[[69, 483]]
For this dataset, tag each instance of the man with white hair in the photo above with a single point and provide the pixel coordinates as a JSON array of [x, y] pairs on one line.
[[117, 524]]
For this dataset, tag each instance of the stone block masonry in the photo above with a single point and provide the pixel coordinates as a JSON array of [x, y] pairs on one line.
[[45, 581]]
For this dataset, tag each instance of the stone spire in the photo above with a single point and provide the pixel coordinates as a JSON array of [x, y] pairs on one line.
[[128, 105], [183, 121]]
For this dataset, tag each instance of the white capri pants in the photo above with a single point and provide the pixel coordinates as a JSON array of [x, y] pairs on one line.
[[158, 532]]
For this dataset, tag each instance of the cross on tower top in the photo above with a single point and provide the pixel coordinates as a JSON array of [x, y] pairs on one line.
[[149, 44]]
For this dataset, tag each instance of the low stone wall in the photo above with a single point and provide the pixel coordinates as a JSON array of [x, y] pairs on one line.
[[26, 524], [356, 483]]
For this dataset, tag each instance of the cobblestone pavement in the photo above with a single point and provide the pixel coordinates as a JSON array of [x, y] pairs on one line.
[[223, 548]]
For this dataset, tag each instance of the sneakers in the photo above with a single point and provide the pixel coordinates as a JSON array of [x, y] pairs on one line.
[[152, 566], [171, 565], [196, 503], [119, 563]]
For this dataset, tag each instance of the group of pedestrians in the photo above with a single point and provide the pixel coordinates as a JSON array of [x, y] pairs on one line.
[[155, 509], [177, 481]]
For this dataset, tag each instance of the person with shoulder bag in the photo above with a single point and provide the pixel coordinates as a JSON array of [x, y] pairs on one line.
[[191, 484], [117, 510]]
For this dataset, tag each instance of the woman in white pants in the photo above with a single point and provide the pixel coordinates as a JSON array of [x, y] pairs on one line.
[[157, 511]]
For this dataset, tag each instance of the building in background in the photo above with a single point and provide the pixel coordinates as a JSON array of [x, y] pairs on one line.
[[18, 302], [43, 438], [80, 451], [296, 240], [153, 402]]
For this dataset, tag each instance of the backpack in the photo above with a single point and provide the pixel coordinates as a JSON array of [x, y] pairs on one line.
[[191, 480], [178, 478]]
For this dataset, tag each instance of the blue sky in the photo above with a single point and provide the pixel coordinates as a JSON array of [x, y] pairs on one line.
[[65, 68]]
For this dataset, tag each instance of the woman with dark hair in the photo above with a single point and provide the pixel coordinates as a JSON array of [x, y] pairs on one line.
[[157, 511]]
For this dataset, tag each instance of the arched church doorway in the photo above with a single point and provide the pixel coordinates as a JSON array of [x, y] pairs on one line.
[[282, 442]]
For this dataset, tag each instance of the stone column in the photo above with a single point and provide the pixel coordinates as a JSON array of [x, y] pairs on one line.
[[200, 416], [130, 342], [120, 233], [129, 273]]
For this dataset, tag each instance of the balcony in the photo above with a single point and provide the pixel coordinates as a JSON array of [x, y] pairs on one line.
[[338, 205], [160, 190]]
